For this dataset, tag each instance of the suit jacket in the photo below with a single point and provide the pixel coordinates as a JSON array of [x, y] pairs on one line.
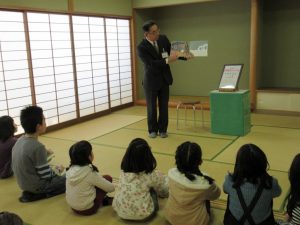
[[156, 72]]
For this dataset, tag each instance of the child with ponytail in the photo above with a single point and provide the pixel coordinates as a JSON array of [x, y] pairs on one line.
[[86, 188], [190, 190]]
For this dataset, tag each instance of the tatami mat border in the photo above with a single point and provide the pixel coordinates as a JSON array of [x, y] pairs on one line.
[[182, 134]]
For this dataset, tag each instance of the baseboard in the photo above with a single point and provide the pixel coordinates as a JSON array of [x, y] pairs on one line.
[[277, 112]]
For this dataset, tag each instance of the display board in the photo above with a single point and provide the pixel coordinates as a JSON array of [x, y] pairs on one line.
[[230, 77]]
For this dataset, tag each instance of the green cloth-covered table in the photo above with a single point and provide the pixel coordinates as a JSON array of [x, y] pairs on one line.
[[230, 112]]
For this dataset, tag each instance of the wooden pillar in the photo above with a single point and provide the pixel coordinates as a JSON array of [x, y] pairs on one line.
[[134, 57], [70, 6], [253, 51]]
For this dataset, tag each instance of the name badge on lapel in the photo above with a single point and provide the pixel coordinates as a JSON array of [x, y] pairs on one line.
[[164, 54]]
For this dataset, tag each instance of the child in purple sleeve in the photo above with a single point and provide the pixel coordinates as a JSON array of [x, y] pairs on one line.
[[7, 141]]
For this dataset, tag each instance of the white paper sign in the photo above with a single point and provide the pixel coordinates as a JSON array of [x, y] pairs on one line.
[[230, 77]]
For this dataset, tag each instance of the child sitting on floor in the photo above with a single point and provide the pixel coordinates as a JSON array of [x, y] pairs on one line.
[[250, 189], [29, 160], [190, 189], [139, 184], [293, 205], [85, 188], [7, 141]]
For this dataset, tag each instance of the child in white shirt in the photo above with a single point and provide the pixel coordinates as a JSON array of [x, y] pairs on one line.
[[85, 188]]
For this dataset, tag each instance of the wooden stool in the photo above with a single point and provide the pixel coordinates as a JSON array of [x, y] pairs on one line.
[[193, 105]]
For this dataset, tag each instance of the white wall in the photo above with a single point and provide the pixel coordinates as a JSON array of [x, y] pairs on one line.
[[284, 101]]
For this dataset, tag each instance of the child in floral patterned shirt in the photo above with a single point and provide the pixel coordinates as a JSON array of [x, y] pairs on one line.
[[140, 183]]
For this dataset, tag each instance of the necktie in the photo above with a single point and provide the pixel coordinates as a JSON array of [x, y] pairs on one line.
[[156, 47]]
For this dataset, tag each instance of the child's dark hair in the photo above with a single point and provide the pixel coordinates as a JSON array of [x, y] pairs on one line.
[[7, 128], [138, 157], [251, 164], [30, 117], [80, 154], [188, 159], [8, 218], [294, 177]]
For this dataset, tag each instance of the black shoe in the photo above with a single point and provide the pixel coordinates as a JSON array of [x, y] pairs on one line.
[[107, 201], [152, 135], [163, 134], [31, 197]]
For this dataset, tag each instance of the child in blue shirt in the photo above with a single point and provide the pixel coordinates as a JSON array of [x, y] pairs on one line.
[[250, 188]]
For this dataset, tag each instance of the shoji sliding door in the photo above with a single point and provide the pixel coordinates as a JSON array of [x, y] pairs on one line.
[[51, 53], [119, 61], [72, 66], [90, 55], [15, 92]]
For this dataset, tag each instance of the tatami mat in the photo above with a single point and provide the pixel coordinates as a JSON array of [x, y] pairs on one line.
[[60, 148], [187, 128], [279, 144], [278, 136], [136, 110], [141, 110], [275, 120], [108, 159], [96, 127], [210, 146]]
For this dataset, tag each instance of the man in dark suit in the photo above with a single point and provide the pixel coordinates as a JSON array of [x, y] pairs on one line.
[[154, 51]]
